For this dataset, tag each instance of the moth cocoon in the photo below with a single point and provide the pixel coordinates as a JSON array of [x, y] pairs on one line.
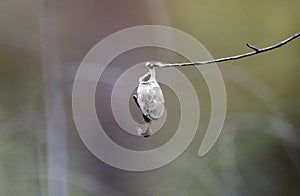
[[150, 99]]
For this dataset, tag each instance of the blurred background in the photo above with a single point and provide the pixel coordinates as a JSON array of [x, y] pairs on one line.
[[42, 44]]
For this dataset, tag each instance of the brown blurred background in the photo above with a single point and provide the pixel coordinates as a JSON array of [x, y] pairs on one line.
[[42, 44]]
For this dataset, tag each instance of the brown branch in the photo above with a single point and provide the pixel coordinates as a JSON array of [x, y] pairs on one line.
[[254, 52]]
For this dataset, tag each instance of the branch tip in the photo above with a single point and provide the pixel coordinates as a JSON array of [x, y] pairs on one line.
[[252, 47]]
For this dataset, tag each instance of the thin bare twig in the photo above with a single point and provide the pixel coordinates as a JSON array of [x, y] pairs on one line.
[[254, 52]]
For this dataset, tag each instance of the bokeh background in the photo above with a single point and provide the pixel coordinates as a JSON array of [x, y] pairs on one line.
[[42, 44]]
